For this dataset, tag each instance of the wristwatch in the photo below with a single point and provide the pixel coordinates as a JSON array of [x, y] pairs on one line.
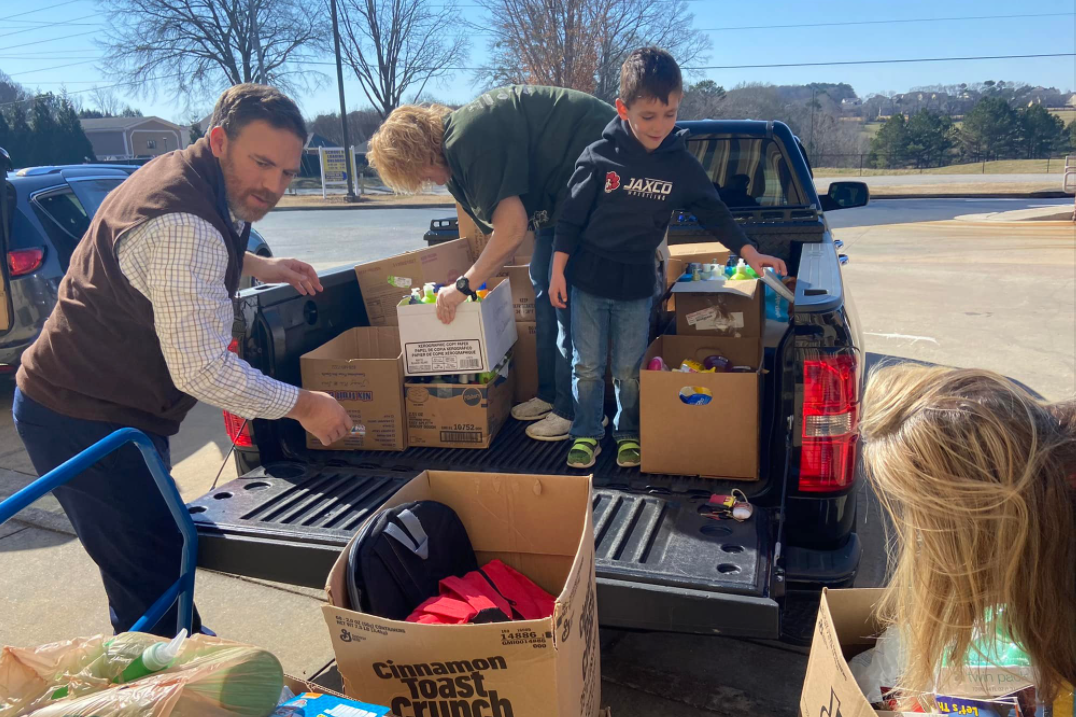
[[463, 285]]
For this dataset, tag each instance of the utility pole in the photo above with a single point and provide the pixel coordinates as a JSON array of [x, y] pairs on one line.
[[343, 108], [256, 40]]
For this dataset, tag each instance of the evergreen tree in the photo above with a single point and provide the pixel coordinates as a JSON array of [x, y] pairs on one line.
[[44, 132], [74, 146], [929, 138], [990, 131], [891, 143], [1042, 133]]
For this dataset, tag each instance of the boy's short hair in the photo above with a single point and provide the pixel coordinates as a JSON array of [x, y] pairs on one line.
[[649, 73], [240, 105]]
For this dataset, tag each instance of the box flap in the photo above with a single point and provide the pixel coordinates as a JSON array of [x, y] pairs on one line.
[[710, 248], [369, 342], [747, 288]]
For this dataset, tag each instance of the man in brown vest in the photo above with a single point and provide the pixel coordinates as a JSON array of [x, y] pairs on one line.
[[141, 330]]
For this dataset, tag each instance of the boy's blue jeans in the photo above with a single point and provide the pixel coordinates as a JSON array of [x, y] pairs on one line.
[[554, 333], [594, 320]]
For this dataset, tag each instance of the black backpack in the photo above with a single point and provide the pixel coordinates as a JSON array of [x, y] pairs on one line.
[[399, 558]]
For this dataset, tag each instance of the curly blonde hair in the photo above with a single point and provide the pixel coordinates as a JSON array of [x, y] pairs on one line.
[[408, 142], [975, 474]]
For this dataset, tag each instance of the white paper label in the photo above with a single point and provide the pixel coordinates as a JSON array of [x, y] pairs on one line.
[[713, 319], [705, 315], [401, 282], [433, 357]]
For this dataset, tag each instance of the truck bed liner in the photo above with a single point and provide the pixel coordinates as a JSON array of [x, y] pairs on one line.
[[288, 521]]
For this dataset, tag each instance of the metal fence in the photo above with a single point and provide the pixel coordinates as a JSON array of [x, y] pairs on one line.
[[875, 163]]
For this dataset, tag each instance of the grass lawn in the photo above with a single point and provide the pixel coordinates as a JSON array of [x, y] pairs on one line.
[[1005, 166]]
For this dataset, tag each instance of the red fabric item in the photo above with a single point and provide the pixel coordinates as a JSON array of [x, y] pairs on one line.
[[461, 599]]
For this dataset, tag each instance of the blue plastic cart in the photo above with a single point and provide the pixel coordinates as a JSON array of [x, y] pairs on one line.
[[183, 589]]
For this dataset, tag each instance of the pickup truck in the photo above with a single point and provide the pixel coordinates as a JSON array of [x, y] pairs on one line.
[[662, 564]]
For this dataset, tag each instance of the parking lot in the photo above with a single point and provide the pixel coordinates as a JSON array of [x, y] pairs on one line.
[[929, 285]]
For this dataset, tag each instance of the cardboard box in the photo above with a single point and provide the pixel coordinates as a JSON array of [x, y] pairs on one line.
[[522, 290], [846, 626], [475, 342], [539, 525], [720, 308], [363, 369], [443, 264], [525, 361], [681, 255], [477, 240], [716, 440], [452, 415]]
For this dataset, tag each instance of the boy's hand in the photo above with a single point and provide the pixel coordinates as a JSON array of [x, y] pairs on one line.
[[558, 290], [759, 262]]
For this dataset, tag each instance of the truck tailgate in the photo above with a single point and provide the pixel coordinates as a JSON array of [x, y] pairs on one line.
[[289, 521]]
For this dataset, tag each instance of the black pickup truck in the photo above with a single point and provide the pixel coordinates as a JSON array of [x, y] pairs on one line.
[[661, 563]]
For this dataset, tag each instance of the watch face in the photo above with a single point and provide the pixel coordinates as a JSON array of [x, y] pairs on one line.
[[462, 284]]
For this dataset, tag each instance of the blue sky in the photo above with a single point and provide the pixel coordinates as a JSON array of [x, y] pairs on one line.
[[28, 49]]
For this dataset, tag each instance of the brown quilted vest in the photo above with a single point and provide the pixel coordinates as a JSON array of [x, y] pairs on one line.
[[98, 357]]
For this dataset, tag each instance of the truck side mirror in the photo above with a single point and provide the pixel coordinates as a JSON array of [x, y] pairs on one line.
[[845, 195]]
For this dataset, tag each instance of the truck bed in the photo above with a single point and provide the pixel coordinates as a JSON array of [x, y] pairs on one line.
[[288, 522]]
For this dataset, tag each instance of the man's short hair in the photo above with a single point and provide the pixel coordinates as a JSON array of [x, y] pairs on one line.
[[649, 73], [240, 105]]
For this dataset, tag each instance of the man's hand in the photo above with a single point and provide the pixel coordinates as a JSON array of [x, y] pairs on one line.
[[558, 290], [448, 298], [759, 262], [276, 270], [323, 416]]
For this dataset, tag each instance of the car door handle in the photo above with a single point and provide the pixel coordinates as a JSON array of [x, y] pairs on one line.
[[843, 258]]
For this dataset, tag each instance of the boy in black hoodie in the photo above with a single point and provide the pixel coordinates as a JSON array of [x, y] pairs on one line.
[[622, 196]]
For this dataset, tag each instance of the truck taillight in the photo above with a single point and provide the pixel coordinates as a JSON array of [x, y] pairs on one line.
[[238, 428], [830, 422], [21, 262]]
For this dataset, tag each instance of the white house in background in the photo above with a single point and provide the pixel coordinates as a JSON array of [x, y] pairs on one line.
[[134, 137]]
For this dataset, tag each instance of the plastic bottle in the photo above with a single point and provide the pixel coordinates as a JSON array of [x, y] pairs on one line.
[[430, 296], [740, 274], [657, 364], [158, 656], [730, 265]]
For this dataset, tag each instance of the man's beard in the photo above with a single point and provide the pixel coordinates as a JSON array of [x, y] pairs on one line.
[[237, 196]]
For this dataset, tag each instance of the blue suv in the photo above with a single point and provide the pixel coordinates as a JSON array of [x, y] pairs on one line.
[[46, 212]]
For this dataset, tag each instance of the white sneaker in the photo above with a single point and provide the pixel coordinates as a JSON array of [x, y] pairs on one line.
[[533, 410], [550, 428]]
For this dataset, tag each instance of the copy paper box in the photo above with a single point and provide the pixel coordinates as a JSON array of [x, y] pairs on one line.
[[525, 361], [363, 369], [542, 527], [441, 264], [846, 626], [475, 342], [717, 440], [719, 308], [453, 415]]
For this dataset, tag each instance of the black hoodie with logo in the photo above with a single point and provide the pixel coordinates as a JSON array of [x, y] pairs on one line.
[[620, 203]]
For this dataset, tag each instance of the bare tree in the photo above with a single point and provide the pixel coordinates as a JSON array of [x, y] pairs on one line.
[[105, 100], [192, 49], [581, 44], [396, 47]]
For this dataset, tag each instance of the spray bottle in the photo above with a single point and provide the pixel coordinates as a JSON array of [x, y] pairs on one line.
[[158, 656]]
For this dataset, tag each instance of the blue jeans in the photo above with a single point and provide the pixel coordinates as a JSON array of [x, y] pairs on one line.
[[554, 333], [594, 321], [115, 508]]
